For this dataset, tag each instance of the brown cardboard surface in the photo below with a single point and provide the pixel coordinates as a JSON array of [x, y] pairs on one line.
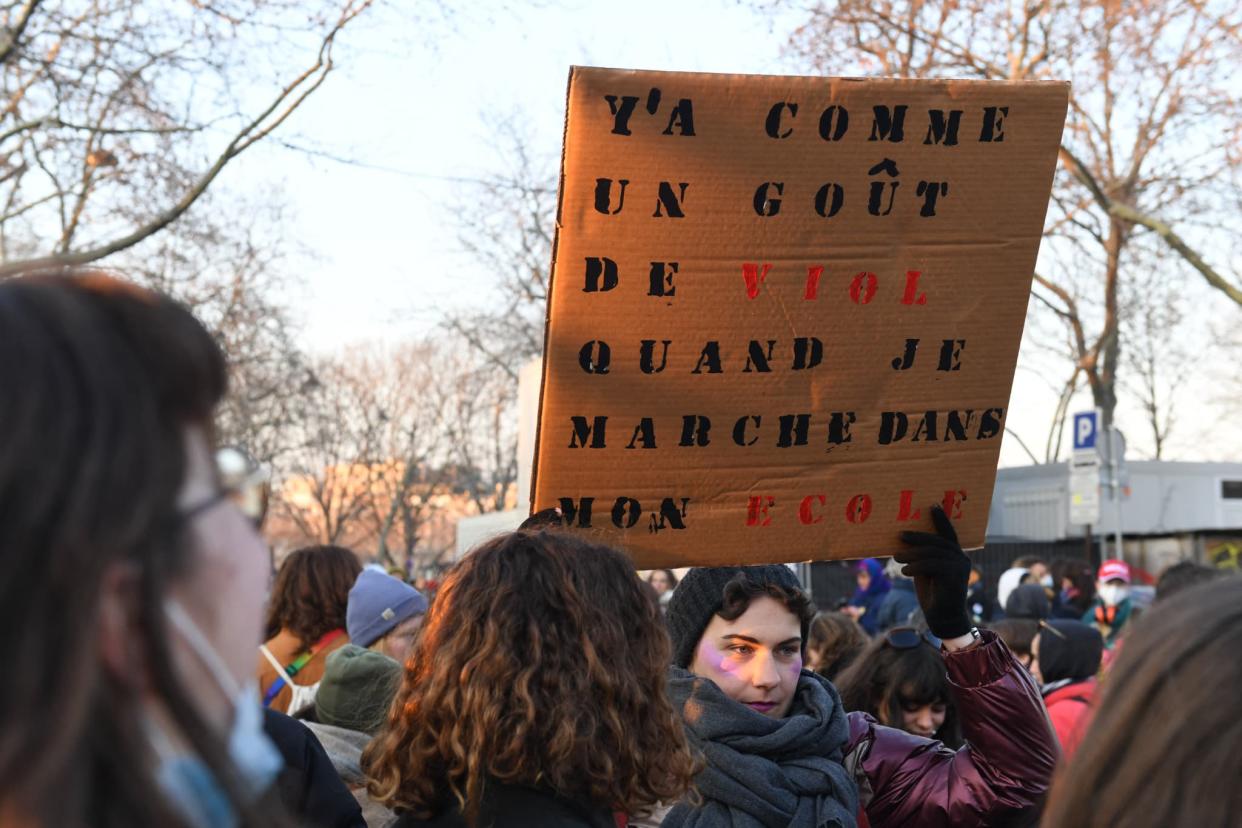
[[694, 150]]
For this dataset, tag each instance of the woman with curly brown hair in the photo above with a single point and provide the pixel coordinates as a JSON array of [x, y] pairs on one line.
[[535, 696], [305, 624]]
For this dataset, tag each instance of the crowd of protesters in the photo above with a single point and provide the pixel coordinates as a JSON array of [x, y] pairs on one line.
[[159, 676]]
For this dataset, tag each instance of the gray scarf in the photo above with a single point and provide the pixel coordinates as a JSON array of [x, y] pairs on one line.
[[762, 772]]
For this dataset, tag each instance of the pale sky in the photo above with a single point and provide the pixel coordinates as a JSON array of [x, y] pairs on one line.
[[418, 100]]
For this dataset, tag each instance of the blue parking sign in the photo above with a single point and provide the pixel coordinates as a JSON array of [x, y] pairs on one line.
[[1086, 429]]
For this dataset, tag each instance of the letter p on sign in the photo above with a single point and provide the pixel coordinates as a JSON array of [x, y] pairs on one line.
[[1086, 428]]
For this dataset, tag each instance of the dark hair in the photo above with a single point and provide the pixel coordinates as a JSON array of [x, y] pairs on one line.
[[1028, 601], [311, 592], [1163, 746], [101, 380], [1017, 633], [542, 663], [835, 641], [884, 679], [1080, 574], [741, 590], [1184, 574], [668, 573], [1069, 650]]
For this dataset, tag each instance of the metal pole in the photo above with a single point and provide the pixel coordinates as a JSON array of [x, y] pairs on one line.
[[1114, 446]]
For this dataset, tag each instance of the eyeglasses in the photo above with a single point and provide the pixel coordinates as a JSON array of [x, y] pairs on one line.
[[907, 638], [186, 516]]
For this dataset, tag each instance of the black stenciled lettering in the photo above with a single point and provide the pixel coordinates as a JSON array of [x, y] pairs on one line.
[[990, 423], [839, 427], [772, 126], [601, 275], [765, 203], [681, 117], [759, 361], [671, 516], [993, 130], [888, 124], [580, 510], [833, 123], [931, 191], [828, 199], [942, 130], [662, 279], [906, 359], [670, 201], [626, 512], [739, 429], [695, 431], [925, 431], [646, 356], [956, 427], [644, 434], [603, 196], [709, 357], [951, 355], [889, 167], [795, 430], [595, 357], [584, 432], [893, 426], [808, 352], [621, 108]]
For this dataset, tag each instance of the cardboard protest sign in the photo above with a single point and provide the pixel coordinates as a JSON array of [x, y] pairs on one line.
[[785, 312]]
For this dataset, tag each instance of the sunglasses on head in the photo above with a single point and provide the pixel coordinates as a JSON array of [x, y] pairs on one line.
[[1045, 626], [907, 638]]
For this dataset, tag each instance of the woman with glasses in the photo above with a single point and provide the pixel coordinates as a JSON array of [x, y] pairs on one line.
[[133, 586], [779, 747]]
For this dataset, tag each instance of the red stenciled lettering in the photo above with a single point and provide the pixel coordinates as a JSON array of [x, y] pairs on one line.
[[912, 295], [953, 500], [906, 510], [812, 280], [806, 510], [862, 289], [858, 509], [754, 275], [757, 510]]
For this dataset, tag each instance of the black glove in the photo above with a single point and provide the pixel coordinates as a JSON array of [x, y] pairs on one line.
[[940, 570]]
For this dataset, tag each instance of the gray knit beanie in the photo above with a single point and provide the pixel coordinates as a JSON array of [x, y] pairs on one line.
[[700, 595]]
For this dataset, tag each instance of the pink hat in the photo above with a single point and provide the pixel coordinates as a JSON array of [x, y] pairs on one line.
[[1112, 570]]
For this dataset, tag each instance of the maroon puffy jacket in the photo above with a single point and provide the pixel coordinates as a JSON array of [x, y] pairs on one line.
[[1005, 767]]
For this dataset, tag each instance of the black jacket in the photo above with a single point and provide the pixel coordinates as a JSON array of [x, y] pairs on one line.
[[309, 786], [510, 806]]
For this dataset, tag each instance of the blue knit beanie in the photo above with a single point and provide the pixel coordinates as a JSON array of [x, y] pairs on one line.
[[377, 604]]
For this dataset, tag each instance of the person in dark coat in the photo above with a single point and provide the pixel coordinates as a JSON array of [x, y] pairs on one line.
[[309, 786], [535, 695], [1065, 656], [873, 587], [900, 602], [781, 749]]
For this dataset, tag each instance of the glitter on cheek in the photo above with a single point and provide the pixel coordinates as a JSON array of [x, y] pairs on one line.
[[715, 659]]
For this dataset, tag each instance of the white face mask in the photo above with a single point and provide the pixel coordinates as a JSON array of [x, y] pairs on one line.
[[1114, 594], [185, 778], [1046, 581]]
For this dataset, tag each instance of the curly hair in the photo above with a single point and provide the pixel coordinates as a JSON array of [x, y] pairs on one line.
[[542, 663], [740, 591], [311, 592]]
